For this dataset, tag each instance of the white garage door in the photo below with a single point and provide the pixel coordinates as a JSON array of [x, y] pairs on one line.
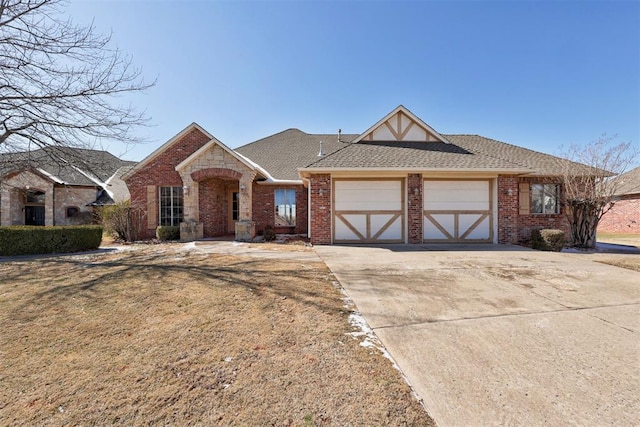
[[368, 211], [457, 211]]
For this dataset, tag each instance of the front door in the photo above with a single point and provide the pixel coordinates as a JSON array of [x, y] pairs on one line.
[[34, 215]]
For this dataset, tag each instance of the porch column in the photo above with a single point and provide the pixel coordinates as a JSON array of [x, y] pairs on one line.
[[190, 228], [246, 227], [5, 205]]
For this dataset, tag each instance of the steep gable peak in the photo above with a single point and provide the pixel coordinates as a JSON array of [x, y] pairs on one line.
[[401, 125]]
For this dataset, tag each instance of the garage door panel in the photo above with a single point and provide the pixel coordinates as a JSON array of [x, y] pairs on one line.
[[436, 226], [347, 226], [457, 211], [386, 227], [474, 226], [368, 210]]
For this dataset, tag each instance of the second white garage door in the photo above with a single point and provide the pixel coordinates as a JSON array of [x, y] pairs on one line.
[[457, 211], [367, 211]]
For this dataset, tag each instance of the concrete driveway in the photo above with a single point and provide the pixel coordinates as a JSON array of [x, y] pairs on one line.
[[502, 335]]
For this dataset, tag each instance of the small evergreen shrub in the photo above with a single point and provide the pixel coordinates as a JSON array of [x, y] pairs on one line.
[[33, 240], [269, 234], [165, 232], [547, 239]]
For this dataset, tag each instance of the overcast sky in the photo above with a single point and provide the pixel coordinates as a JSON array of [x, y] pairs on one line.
[[535, 74]]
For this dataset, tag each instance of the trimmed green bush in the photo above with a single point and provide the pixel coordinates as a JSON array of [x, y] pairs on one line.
[[165, 232], [547, 240], [33, 240]]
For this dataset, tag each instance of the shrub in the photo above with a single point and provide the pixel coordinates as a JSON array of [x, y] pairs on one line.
[[269, 234], [547, 240], [121, 221], [165, 232], [32, 240]]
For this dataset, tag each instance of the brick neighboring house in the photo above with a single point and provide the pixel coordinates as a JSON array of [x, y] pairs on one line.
[[398, 181], [58, 185], [624, 216]]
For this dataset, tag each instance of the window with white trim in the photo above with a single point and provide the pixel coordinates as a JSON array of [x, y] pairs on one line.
[[171, 206], [545, 198], [285, 203]]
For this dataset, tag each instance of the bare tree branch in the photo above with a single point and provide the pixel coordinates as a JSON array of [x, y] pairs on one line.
[[590, 193], [60, 83]]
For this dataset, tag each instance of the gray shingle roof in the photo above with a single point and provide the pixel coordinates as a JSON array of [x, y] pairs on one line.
[[63, 163], [629, 182], [283, 153], [540, 163], [397, 155]]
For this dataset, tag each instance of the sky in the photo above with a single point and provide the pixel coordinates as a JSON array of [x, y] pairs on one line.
[[539, 74]]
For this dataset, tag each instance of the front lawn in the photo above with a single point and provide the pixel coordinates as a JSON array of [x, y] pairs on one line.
[[173, 336]]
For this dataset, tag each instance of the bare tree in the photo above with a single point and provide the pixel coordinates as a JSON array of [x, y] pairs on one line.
[[590, 192], [60, 82]]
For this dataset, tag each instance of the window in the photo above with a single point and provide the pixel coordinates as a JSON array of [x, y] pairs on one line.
[[171, 206], [72, 211], [544, 198], [285, 208], [36, 197]]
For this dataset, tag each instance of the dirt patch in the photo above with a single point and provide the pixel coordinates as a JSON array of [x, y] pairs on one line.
[[161, 335]]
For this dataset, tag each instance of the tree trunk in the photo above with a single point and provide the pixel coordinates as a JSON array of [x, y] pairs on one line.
[[583, 222]]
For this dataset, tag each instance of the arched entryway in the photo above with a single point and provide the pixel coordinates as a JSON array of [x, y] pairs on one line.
[[219, 206], [34, 207]]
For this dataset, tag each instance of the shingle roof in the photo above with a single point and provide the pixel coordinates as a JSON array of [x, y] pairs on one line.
[[283, 153], [629, 182], [66, 164], [464, 152], [415, 155], [540, 163]]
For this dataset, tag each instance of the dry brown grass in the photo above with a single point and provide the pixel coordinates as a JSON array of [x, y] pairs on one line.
[[159, 335]]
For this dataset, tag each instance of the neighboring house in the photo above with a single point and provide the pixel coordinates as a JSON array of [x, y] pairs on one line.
[[624, 215], [58, 186], [398, 181]]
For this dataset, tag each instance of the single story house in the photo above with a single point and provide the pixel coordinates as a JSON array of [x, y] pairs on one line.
[[58, 185], [624, 215], [400, 181]]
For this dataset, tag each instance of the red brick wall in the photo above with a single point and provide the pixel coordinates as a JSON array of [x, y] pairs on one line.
[[214, 207], [507, 209], [415, 207], [160, 171], [529, 222], [264, 208], [320, 190], [624, 217]]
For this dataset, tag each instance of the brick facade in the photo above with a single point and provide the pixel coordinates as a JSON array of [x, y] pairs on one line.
[[264, 208], [623, 217], [214, 207], [320, 194], [160, 171], [415, 207], [528, 222], [507, 209]]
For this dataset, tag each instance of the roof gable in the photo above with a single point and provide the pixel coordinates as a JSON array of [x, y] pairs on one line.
[[164, 147], [401, 125]]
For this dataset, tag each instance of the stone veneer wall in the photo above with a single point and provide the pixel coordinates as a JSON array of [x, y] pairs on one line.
[[78, 197]]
